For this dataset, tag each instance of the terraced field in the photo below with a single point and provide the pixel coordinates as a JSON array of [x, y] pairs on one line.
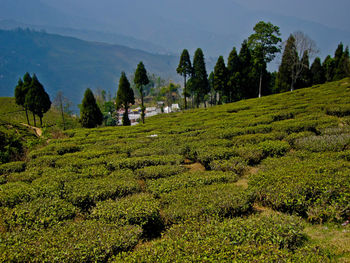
[[261, 180]]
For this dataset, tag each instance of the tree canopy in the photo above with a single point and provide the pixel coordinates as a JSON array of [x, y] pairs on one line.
[[90, 114], [125, 97], [140, 81]]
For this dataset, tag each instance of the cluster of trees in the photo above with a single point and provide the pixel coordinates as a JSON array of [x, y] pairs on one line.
[[245, 75], [295, 71], [31, 95]]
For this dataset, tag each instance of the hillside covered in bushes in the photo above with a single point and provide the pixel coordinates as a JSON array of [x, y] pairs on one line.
[[260, 180]]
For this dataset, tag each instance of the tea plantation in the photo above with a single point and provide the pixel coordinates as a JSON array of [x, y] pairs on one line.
[[260, 180]]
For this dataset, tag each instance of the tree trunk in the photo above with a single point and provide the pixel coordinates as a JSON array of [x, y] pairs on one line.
[[185, 92], [142, 107], [260, 83], [27, 116], [41, 121], [62, 113], [34, 119]]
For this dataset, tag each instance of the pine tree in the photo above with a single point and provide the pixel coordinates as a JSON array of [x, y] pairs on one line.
[[220, 80], [141, 80], [90, 114], [125, 97], [20, 96], [199, 80], [185, 69], [42, 102], [317, 72], [233, 69], [305, 78], [212, 90], [329, 68], [342, 68], [246, 64], [285, 71]]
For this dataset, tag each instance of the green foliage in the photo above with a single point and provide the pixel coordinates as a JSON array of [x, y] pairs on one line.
[[256, 239], [88, 241], [41, 213], [199, 81], [216, 200], [185, 69], [312, 185], [220, 79], [141, 80], [274, 148], [237, 165], [159, 171], [125, 97], [139, 209], [90, 115]]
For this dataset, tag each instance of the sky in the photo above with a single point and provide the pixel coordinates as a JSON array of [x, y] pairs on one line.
[[332, 13]]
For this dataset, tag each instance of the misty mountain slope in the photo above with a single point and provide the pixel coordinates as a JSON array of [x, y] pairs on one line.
[[70, 64]]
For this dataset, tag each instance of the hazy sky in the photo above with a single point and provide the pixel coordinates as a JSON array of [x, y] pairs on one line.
[[332, 13]]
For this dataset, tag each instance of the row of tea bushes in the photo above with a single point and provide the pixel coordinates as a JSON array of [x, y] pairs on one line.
[[255, 239], [316, 186]]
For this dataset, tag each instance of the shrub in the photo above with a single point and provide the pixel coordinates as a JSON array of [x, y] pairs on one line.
[[84, 193], [160, 171], [12, 194], [14, 167], [40, 213], [139, 209], [189, 179], [217, 200], [256, 239], [88, 241], [274, 148], [323, 143], [250, 153], [235, 164], [338, 110]]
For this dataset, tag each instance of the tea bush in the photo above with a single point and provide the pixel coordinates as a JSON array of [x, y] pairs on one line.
[[235, 164], [139, 209], [159, 171], [190, 179], [88, 241], [217, 200], [256, 239]]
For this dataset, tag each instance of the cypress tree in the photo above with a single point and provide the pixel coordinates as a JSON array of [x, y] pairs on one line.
[[246, 64], [141, 80], [90, 114], [342, 69], [233, 68], [185, 69], [125, 97], [220, 80], [199, 84], [305, 78], [284, 76], [27, 82], [20, 97], [329, 68], [42, 102], [212, 90], [317, 72]]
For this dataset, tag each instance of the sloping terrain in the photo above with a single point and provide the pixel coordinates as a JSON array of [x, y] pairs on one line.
[[276, 185], [72, 65]]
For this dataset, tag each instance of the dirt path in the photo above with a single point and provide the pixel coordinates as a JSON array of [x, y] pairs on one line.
[[37, 131]]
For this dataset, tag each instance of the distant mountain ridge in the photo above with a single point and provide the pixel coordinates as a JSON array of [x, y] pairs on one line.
[[70, 64]]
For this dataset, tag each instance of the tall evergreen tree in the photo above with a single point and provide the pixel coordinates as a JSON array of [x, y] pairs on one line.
[[233, 81], [125, 98], [185, 69], [329, 68], [317, 72], [141, 80], [246, 64], [338, 55], [285, 71], [20, 96], [212, 90], [90, 114], [266, 40], [220, 80], [41, 101], [342, 67], [199, 83], [305, 78]]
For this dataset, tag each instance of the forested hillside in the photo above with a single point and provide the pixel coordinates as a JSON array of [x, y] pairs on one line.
[[69, 64], [260, 180]]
